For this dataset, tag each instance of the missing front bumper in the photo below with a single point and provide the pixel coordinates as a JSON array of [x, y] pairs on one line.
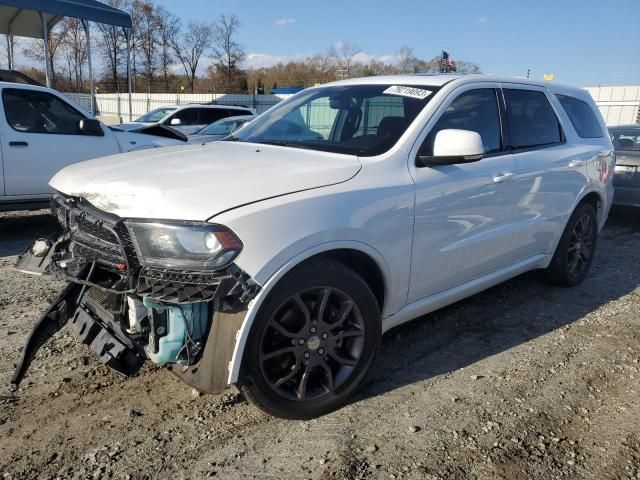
[[104, 332]]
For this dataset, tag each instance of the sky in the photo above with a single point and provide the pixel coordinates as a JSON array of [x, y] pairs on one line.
[[580, 42]]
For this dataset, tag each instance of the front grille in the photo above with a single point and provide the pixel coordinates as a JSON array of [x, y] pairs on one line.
[[93, 234], [95, 230]]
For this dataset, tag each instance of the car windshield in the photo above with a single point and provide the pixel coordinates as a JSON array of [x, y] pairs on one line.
[[626, 139], [362, 120], [221, 127], [155, 115]]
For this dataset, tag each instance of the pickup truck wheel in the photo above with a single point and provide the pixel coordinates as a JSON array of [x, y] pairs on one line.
[[574, 254], [312, 343]]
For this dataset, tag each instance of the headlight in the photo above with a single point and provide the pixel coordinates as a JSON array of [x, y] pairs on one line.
[[192, 246]]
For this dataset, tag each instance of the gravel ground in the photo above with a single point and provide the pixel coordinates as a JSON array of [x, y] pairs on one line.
[[521, 381]]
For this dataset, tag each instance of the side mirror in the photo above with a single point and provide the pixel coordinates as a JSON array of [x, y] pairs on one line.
[[175, 122], [90, 126], [452, 146]]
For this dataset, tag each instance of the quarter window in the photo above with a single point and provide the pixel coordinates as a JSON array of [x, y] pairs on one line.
[[581, 116], [475, 110], [532, 121], [31, 111]]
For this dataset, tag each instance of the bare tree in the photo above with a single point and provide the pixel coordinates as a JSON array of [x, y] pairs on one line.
[[226, 50], [406, 60], [168, 30], [11, 43], [344, 53], [112, 46], [74, 49], [147, 38], [35, 50], [190, 47]]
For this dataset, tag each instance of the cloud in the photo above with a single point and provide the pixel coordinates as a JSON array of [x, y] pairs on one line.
[[483, 20], [285, 22], [266, 60], [365, 58], [257, 60]]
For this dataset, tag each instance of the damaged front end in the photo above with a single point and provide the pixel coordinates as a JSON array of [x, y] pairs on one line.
[[142, 290]]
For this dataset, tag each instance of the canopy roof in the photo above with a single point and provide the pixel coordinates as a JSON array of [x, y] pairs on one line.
[[22, 17]]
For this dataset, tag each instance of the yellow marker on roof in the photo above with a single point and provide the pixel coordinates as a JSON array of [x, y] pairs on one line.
[[548, 76]]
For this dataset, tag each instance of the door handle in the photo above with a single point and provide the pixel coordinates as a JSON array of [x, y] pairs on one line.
[[503, 177], [576, 164], [18, 144]]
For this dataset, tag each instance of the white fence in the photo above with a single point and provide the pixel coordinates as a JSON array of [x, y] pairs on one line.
[[117, 105], [618, 105]]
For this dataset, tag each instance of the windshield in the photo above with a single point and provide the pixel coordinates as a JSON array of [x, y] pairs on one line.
[[626, 139], [221, 127], [362, 120], [155, 115]]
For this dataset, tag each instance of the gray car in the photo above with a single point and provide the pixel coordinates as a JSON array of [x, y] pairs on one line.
[[626, 140], [220, 129]]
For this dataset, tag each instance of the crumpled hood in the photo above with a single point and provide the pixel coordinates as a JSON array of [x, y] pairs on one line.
[[196, 182]]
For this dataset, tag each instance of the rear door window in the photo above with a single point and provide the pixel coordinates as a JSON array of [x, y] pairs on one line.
[[582, 117], [532, 121]]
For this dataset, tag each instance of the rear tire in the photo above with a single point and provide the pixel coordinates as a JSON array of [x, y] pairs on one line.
[[312, 343], [575, 252]]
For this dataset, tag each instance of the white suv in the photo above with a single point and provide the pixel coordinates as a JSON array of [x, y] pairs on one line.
[[187, 119], [277, 258]]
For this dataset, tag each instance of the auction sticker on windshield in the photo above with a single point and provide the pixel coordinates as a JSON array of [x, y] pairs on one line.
[[412, 92]]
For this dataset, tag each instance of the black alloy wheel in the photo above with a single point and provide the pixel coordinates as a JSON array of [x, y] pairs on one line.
[[313, 341], [576, 249]]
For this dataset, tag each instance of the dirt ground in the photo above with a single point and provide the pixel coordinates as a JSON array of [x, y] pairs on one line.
[[521, 381]]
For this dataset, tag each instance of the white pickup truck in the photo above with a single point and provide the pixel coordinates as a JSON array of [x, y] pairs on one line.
[[41, 131]]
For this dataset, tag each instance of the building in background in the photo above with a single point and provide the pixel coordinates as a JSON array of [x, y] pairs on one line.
[[618, 105]]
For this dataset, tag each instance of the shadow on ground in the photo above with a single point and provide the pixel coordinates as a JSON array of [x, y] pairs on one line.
[[507, 315]]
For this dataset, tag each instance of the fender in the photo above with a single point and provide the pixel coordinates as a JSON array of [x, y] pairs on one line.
[[256, 302]]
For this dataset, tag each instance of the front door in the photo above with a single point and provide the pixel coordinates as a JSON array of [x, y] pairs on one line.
[[464, 215], [41, 136]]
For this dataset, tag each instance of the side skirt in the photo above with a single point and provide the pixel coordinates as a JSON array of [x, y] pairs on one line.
[[455, 294]]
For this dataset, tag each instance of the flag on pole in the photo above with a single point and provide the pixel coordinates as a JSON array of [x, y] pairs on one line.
[[448, 65]]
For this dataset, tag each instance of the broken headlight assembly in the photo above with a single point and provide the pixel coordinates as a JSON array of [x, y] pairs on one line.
[[188, 246]]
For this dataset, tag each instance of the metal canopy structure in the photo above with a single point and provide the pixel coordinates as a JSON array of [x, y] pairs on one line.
[[36, 18]]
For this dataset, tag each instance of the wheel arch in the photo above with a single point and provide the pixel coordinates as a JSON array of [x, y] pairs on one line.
[[360, 257], [594, 198]]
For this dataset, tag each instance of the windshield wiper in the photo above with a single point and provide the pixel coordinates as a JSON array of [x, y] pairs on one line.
[[279, 143]]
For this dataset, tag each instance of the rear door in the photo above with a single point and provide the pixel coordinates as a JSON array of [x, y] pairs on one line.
[[41, 136], [194, 118], [551, 171]]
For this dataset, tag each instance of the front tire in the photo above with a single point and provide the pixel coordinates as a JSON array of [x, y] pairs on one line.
[[575, 252], [313, 342]]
